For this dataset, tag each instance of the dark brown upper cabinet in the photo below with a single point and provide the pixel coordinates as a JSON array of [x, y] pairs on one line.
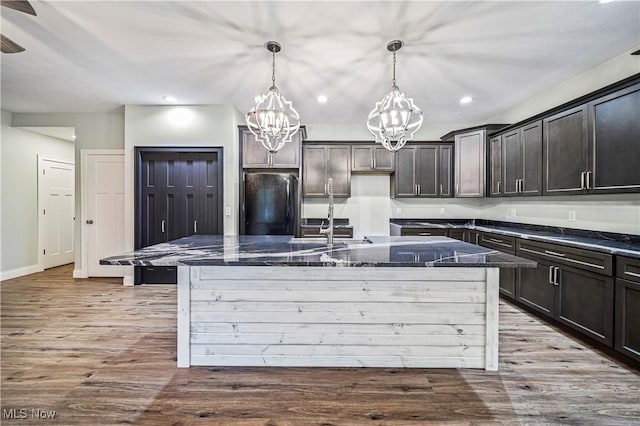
[[423, 171], [371, 158], [496, 187], [321, 162], [614, 142], [565, 151], [522, 160], [470, 164], [256, 156]]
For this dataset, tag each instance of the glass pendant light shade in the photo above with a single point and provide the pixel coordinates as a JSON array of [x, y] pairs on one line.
[[273, 120], [395, 119]]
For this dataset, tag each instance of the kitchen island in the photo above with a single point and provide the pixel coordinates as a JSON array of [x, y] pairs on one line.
[[428, 302]]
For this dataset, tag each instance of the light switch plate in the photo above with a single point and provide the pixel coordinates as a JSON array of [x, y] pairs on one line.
[[572, 215], [398, 210], [442, 210], [512, 212], [227, 211]]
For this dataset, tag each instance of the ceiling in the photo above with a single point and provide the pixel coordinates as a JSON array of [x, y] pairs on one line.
[[95, 56]]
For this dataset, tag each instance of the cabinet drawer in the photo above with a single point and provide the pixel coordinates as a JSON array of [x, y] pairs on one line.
[[498, 242], [628, 268], [587, 260], [428, 232]]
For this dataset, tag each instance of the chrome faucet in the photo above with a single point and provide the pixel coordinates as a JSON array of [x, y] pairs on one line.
[[329, 230]]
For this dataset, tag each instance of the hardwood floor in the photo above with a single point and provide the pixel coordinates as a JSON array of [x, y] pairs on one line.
[[96, 352]]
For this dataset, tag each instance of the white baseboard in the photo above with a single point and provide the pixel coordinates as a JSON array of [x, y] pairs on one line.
[[79, 273], [20, 272]]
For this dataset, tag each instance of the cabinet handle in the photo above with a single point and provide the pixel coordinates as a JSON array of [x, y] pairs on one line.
[[582, 176], [441, 192], [496, 240], [424, 234], [195, 226], [374, 160], [499, 187], [520, 188], [477, 237], [162, 225], [555, 277], [418, 189], [589, 180], [372, 164], [555, 253], [325, 189], [551, 273]]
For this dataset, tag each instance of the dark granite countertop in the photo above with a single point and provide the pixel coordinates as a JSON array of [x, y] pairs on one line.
[[249, 250], [606, 242]]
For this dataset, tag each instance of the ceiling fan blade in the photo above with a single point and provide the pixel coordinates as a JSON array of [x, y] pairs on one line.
[[20, 6], [9, 46]]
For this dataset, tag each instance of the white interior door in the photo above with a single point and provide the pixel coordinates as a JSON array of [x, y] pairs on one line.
[[56, 191], [104, 222]]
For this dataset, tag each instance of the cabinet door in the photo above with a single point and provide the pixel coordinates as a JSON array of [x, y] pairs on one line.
[[565, 147], [405, 175], [457, 234], [535, 288], [254, 155], [614, 145], [495, 170], [428, 171], [508, 282], [531, 138], [445, 175], [189, 192], [288, 157], [314, 171], [210, 206], [160, 206], [585, 303], [472, 237], [362, 158], [470, 164], [339, 169], [512, 167], [627, 326], [382, 159]]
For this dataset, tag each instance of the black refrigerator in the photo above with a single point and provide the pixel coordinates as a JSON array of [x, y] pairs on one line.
[[270, 204]]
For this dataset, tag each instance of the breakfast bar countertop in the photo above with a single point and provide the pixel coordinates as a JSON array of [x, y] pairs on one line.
[[283, 250]]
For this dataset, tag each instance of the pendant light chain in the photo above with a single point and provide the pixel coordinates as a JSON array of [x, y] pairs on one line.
[[273, 68], [394, 68]]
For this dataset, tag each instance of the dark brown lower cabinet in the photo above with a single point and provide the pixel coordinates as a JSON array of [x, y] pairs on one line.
[[457, 234], [585, 303], [628, 318], [577, 298], [535, 288], [425, 232]]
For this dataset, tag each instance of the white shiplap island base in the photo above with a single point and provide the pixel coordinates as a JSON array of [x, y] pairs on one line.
[[300, 316]]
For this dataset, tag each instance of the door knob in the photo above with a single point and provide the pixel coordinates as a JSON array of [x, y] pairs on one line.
[[90, 222]]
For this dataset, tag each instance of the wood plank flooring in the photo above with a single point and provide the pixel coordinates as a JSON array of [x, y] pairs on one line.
[[98, 353]]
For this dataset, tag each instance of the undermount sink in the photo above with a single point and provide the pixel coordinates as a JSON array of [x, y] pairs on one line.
[[336, 240]]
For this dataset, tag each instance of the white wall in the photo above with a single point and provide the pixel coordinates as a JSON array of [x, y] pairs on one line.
[[99, 130], [19, 196], [207, 125]]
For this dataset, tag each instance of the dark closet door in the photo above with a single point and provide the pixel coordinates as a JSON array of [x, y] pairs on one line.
[[199, 193], [160, 204]]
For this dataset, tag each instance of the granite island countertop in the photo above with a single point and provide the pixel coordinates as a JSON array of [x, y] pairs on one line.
[[605, 242], [249, 250]]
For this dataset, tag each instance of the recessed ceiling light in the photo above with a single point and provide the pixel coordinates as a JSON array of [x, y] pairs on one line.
[[170, 98], [466, 99], [322, 99]]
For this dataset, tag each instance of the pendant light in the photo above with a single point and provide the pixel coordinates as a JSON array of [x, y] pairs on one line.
[[273, 120], [395, 119]]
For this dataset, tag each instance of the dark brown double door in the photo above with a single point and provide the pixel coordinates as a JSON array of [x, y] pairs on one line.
[[179, 193]]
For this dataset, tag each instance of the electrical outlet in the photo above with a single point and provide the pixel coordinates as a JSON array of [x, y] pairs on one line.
[[442, 210], [572, 215], [227, 211], [398, 210], [512, 212]]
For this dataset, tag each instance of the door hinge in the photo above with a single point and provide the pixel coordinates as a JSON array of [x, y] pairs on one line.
[[44, 211], [44, 251], [43, 171]]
